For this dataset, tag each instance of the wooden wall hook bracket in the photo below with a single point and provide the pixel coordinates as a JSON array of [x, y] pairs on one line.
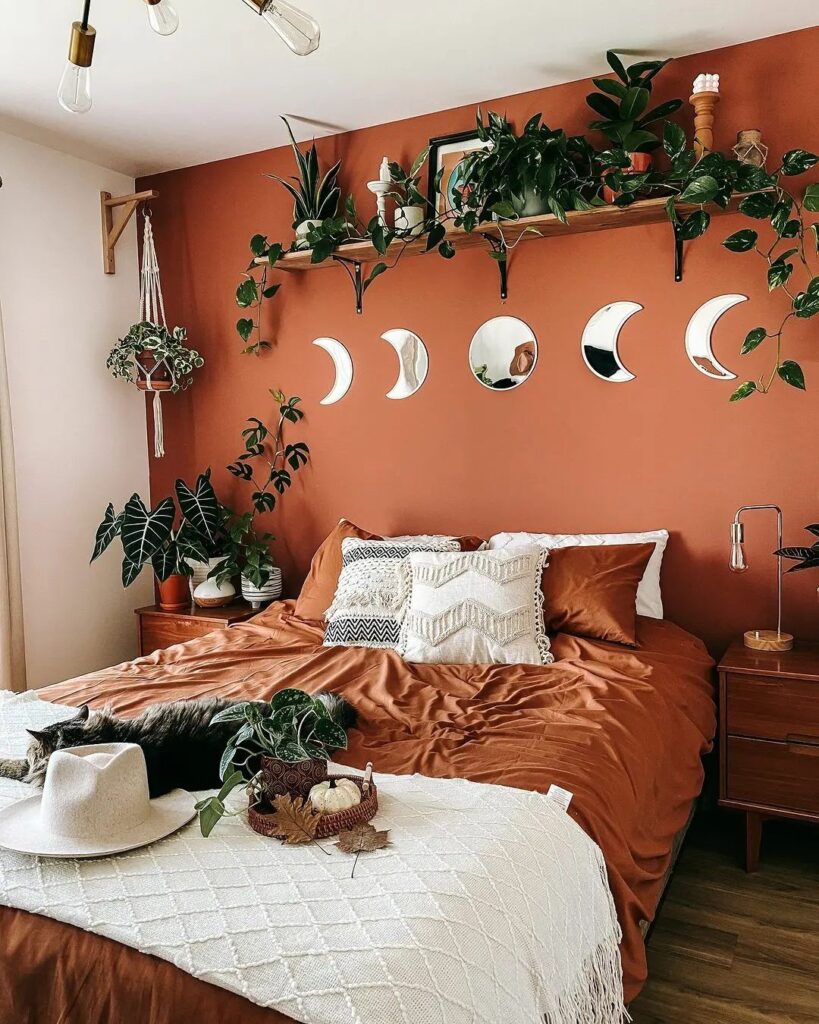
[[111, 232]]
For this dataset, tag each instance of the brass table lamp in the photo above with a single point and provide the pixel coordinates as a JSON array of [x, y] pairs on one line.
[[760, 639]]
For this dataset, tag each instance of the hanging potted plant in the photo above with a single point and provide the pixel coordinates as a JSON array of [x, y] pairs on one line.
[[410, 208], [623, 105], [266, 463], [314, 199], [154, 358]]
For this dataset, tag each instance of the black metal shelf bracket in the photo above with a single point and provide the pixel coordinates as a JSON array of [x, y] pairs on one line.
[[678, 250], [499, 246], [353, 268]]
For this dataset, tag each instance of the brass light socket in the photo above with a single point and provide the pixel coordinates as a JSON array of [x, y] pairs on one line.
[[81, 47], [258, 4], [153, 3]]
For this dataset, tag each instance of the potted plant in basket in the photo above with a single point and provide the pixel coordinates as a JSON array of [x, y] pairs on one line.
[[623, 105], [280, 747], [314, 198], [154, 358], [267, 463], [410, 208]]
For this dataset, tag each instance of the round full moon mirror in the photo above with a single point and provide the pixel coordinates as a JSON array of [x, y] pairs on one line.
[[503, 353]]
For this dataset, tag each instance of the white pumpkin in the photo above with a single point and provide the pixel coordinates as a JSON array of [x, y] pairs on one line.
[[334, 795]]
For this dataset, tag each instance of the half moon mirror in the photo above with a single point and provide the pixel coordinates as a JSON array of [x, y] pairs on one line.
[[503, 353]]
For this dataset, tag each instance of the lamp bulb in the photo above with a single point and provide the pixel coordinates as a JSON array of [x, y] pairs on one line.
[[162, 17], [300, 31]]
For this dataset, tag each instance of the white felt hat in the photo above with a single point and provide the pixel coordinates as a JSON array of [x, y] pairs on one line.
[[94, 802]]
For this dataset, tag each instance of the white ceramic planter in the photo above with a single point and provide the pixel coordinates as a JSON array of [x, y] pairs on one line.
[[409, 221], [302, 230], [210, 594], [201, 570], [257, 596]]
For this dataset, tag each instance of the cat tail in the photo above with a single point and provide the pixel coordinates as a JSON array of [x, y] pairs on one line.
[[340, 710]]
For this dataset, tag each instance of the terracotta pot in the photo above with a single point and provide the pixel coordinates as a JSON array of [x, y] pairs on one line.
[[174, 593], [640, 163], [294, 777], [159, 373]]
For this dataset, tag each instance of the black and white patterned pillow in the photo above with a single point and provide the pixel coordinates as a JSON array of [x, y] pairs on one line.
[[371, 596]]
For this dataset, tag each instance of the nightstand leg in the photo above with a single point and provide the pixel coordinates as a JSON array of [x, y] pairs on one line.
[[753, 840]]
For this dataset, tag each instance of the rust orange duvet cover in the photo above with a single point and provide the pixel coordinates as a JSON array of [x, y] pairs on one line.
[[622, 729]]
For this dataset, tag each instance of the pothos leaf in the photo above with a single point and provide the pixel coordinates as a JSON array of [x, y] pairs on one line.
[[743, 391], [792, 374]]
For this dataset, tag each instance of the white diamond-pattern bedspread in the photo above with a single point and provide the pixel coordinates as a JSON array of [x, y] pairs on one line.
[[491, 905]]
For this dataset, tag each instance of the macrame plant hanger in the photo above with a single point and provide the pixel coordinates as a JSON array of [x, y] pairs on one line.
[[160, 376]]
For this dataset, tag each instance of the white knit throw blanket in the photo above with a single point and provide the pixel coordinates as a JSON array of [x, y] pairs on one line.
[[491, 905]]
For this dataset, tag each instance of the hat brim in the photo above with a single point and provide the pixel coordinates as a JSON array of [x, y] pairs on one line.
[[21, 829]]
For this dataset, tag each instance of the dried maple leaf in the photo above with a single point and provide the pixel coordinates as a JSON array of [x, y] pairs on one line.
[[362, 839], [295, 820]]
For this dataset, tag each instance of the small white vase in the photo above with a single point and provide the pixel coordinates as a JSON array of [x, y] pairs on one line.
[[210, 594], [409, 221], [257, 596], [201, 570], [302, 231]]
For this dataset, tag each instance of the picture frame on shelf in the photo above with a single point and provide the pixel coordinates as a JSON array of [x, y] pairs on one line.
[[448, 152]]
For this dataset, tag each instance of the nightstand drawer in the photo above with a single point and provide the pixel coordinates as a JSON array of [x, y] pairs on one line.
[[772, 708], [784, 775], [159, 631]]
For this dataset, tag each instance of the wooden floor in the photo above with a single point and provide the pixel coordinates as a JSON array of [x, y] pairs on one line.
[[731, 948]]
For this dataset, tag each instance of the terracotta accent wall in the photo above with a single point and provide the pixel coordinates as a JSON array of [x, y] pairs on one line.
[[565, 452]]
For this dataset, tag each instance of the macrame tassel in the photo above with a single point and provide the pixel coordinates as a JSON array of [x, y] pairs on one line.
[[159, 433]]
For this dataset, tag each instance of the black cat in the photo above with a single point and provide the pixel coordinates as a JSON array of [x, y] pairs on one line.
[[182, 748]]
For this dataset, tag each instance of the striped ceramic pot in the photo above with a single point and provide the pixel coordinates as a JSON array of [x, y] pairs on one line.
[[270, 591]]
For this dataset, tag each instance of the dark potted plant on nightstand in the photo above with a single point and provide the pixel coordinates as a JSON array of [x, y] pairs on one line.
[[623, 105], [148, 537]]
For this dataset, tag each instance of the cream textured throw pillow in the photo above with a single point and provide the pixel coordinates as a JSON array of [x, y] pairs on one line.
[[478, 607], [371, 595]]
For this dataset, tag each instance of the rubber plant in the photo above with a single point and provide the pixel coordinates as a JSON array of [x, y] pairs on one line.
[[267, 463]]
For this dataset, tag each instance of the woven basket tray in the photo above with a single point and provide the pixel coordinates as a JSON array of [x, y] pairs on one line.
[[261, 820]]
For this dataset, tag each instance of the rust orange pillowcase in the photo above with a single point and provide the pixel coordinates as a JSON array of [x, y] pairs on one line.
[[319, 588], [592, 591]]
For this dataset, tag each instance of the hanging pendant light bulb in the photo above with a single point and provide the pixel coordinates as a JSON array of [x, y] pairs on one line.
[[300, 31], [162, 17], [74, 93]]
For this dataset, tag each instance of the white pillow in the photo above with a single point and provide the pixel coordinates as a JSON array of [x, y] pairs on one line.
[[649, 596], [475, 608]]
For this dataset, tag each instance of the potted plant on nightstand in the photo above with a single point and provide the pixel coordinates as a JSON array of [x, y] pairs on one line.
[[314, 199], [623, 105], [148, 537], [267, 463]]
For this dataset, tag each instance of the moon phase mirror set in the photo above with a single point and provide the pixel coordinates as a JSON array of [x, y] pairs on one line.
[[504, 350]]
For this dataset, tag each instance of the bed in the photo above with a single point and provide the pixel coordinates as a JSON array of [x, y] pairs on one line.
[[622, 729]]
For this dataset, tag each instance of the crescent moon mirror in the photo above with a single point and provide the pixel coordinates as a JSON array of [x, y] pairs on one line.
[[698, 336], [600, 341], [503, 353], [413, 362], [343, 365]]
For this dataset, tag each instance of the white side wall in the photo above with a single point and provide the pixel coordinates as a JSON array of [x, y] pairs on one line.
[[79, 435]]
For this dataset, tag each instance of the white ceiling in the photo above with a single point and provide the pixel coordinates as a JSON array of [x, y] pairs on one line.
[[213, 89]]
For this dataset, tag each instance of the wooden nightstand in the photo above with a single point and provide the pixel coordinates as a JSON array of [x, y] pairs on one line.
[[159, 629], [769, 737]]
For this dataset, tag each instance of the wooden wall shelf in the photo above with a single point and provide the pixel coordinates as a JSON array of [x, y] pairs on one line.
[[601, 218]]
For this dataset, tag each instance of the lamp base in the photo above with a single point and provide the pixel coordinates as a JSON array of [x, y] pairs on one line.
[[768, 640]]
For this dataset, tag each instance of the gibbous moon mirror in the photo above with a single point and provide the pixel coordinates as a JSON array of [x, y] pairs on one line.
[[599, 345], [413, 362], [503, 353]]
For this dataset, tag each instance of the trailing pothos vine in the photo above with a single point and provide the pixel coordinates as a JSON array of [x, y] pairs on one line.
[[514, 173]]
